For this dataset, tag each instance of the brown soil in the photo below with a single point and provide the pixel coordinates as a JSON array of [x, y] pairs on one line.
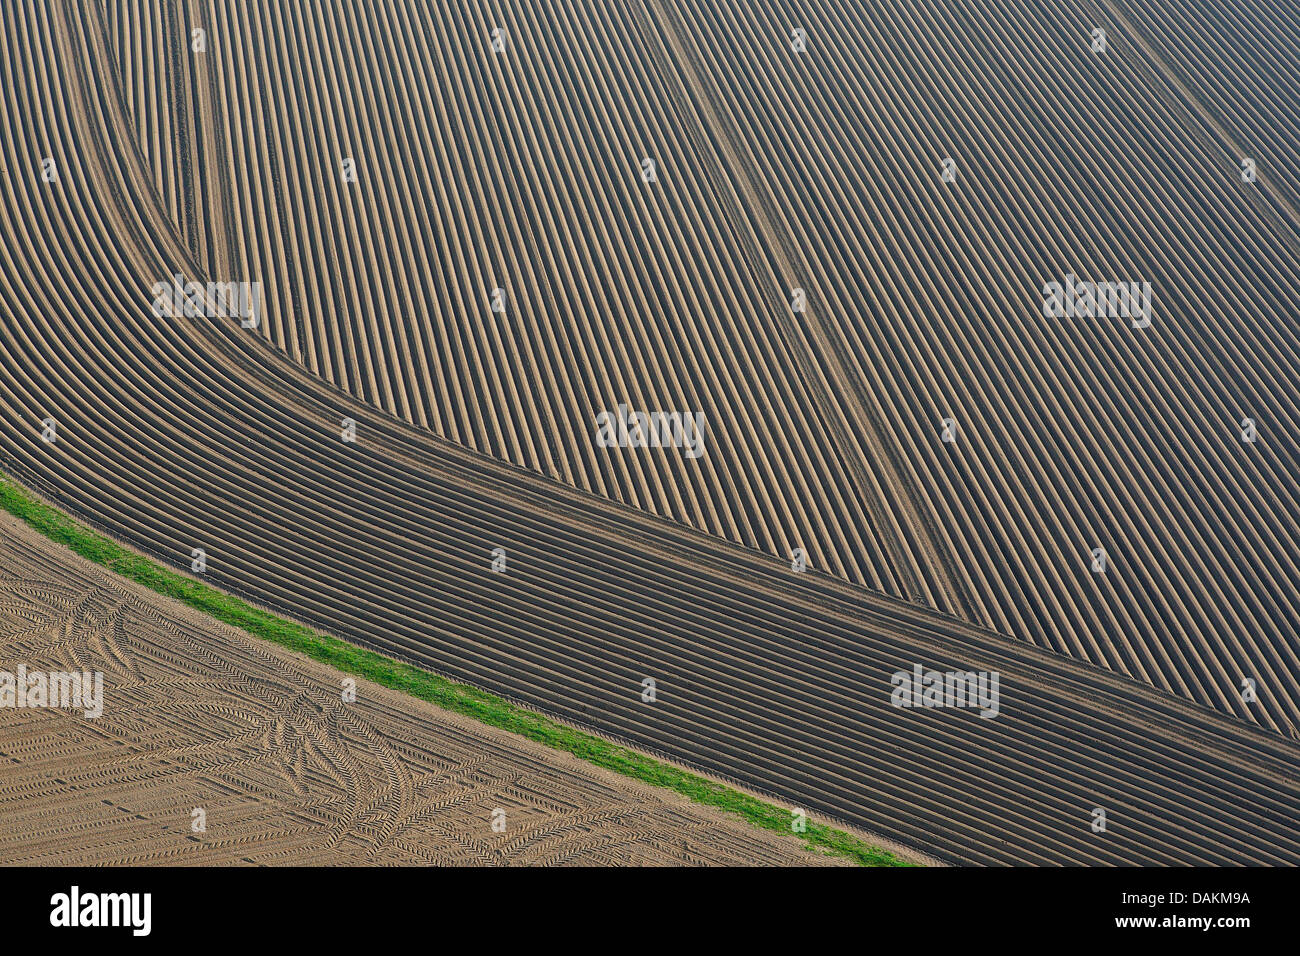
[[198, 715]]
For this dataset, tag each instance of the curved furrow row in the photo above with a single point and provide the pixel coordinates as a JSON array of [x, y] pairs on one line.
[[1073, 435], [815, 170], [652, 307]]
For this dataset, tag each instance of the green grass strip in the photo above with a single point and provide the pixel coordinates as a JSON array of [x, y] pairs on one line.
[[468, 701]]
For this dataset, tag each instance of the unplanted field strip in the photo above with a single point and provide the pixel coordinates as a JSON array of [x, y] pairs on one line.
[[458, 698], [199, 715]]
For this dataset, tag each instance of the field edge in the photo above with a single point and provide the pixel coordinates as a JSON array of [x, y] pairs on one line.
[[440, 691]]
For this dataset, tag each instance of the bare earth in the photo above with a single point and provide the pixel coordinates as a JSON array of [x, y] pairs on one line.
[[198, 715]]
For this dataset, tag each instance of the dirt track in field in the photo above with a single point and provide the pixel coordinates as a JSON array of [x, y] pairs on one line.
[[1121, 690], [198, 715]]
